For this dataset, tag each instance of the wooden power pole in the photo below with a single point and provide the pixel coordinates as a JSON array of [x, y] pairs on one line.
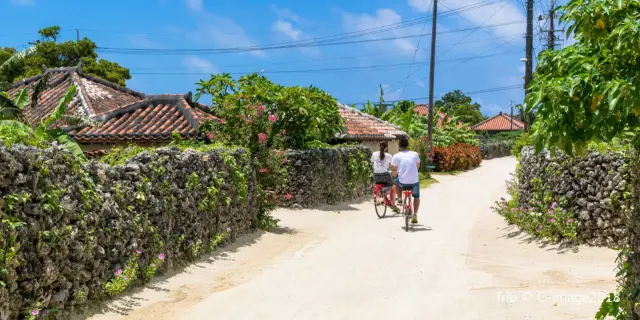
[[432, 72], [529, 56]]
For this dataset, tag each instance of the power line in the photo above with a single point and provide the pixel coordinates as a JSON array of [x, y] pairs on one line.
[[417, 47], [472, 31], [479, 27], [489, 90], [394, 65], [140, 51]]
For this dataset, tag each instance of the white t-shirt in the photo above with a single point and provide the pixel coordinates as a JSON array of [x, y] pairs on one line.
[[407, 163], [380, 166]]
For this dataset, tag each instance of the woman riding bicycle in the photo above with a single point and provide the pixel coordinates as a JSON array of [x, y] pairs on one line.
[[381, 174]]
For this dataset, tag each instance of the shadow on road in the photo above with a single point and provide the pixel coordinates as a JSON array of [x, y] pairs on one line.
[[561, 247], [129, 301]]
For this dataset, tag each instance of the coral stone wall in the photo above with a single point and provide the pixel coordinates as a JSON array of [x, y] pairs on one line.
[[494, 150], [70, 233], [596, 188], [327, 176]]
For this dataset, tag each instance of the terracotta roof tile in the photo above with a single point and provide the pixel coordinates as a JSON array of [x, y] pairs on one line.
[[122, 114], [154, 119], [500, 122], [361, 126]]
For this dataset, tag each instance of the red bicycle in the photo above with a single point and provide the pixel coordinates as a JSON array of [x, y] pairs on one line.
[[407, 206], [381, 199]]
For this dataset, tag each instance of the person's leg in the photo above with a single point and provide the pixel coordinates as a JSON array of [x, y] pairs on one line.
[[416, 201]]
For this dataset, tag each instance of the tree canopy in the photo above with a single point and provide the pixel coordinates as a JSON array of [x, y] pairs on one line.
[[588, 91], [456, 103], [65, 54], [304, 115]]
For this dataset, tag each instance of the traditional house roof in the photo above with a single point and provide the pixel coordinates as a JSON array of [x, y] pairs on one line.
[[499, 122], [423, 110], [361, 126], [122, 114], [154, 119]]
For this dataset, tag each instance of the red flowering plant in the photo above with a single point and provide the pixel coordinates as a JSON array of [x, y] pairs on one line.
[[250, 125]]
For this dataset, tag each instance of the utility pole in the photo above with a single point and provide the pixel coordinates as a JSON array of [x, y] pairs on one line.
[[529, 56], [431, 72], [511, 120], [551, 42], [77, 35]]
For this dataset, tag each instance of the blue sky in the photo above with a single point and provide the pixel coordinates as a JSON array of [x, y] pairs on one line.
[[206, 24]]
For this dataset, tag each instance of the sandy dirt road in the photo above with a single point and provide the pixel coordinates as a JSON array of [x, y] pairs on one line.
[[342, 262]]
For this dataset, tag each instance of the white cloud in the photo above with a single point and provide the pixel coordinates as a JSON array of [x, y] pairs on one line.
[[286, 14], [496, 13], [393, 94], [224, 32], [23, 2], [287, 29], [196, 64], [142, 41], [195, 5], [383, 17], [420, 84]]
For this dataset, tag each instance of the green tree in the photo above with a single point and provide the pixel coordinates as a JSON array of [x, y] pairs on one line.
[[52, 54], [458, 104], [304, 114], [588, 92], [414, 125]]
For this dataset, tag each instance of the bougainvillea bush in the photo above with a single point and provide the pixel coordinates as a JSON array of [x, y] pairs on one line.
[[542, 217], [456, 157]]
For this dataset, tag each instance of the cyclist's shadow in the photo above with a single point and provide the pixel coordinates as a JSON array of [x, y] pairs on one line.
[[418, 227]]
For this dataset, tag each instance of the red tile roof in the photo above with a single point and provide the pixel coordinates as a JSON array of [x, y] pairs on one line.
[[361, 126], [500, 122], [122, 114], [156, 118], [92, 98], [423, 110]]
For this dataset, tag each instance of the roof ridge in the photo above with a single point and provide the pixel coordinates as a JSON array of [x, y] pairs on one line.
[[111, 85], [345, 107], [84, 102], [25, 81]]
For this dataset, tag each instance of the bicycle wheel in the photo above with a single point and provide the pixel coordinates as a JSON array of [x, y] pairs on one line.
[[407, 213], [380, 204]]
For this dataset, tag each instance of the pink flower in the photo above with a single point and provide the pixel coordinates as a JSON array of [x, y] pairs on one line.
[[552, 220], [35, 312], [228, 229], [288, 196], [223, 121], [264, 170], [153, 265], [262, 138], [283, 131], [261, 108], [126, 278], [249, 121], [554, 204], [569, 220], [209, 135], [138, 252], [551, 211], [118, 272], [273, 118], [161, 256]]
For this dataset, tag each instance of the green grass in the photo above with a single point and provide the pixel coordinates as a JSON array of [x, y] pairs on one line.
[[424, 183], [449, 173]]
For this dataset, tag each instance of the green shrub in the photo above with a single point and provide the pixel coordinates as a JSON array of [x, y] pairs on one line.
[[523, 141], [543, 217]]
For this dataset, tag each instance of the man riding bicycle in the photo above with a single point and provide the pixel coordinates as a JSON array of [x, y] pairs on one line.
[[404, 166]]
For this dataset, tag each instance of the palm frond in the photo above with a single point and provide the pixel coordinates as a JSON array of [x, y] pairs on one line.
[[61, 108], [79, 121], [17, 58], [37, 90], [72, 146]]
